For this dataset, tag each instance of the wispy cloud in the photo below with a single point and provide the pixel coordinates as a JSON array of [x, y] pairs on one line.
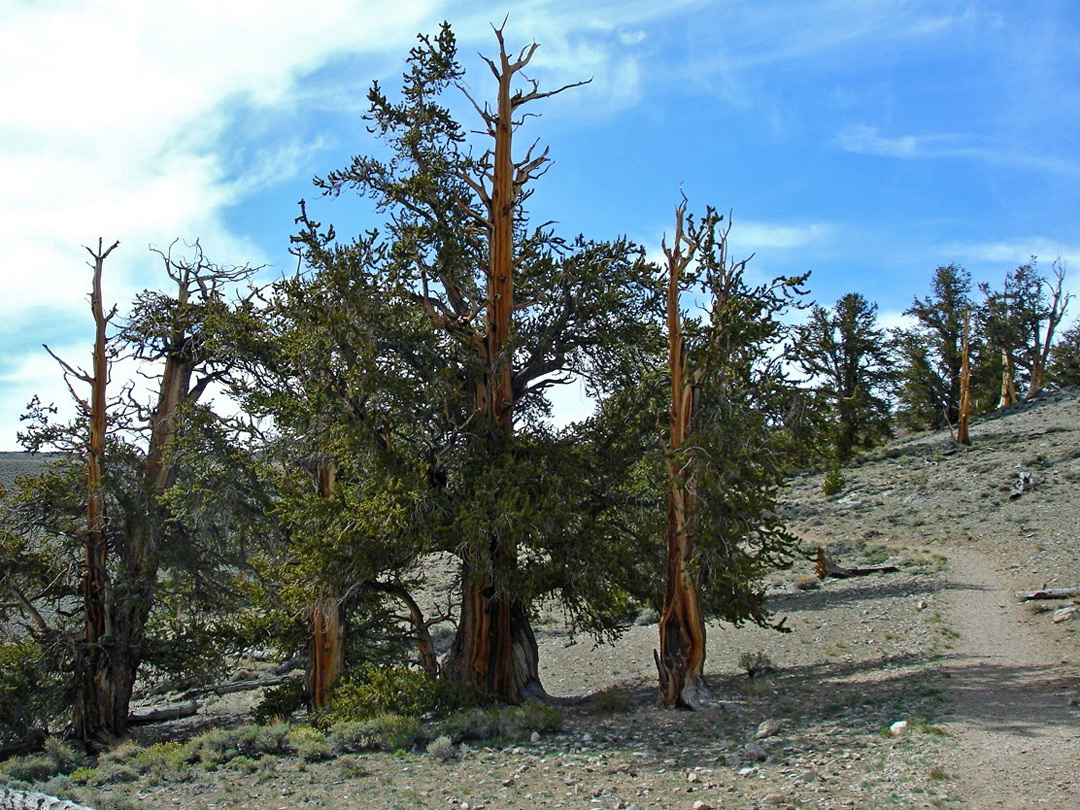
[[867, 140]]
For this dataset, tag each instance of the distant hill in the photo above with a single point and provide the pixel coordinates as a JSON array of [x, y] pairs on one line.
[[13, 465]]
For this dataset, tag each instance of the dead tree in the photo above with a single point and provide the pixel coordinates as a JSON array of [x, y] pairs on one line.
[[681, 659]]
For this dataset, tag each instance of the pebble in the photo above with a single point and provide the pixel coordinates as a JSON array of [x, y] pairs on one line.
[[899, 728], [768, 728]]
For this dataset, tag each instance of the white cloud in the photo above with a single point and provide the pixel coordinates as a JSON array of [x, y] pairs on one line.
[[867, 140], [759, 236]]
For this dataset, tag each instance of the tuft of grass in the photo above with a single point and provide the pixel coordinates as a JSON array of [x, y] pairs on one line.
[[612, 701], [310, 743], [442, 748], [386, 732], [510, 722], [937, 774]]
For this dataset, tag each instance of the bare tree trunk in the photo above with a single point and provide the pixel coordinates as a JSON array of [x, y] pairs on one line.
[[98, 713], [327, 653], [681, 660], [964, 419], [1008, 380]]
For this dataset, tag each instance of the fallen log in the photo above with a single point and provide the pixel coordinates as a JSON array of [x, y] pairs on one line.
[[237, 686], [825, 567], [1048, 593], [176, 712]]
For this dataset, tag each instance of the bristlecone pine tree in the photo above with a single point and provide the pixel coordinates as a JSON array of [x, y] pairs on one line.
[[509, 310], [722, 452]]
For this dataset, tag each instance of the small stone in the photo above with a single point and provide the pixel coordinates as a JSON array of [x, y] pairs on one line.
[[534, 738], [768, 728], [755, 753], [750, 771], [700, 805], [922, 605], [899, 728], [775, 798], [1065, 613], [693, 777]]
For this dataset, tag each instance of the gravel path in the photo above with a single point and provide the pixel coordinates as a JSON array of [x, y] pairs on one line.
[[1017, 736]]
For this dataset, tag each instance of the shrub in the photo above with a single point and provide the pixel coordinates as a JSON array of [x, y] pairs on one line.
[[756, 663], [219, 746], [442, 748], [387, 732], [310, 744], [56, 759], [514, 722], [279, 702], [612, 701], [380, 690]]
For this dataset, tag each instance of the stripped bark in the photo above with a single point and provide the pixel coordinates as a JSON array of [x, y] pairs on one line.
[[1048, 593], [494, 649], [327, 648], [681, 660], [825, 567], [964, 416]]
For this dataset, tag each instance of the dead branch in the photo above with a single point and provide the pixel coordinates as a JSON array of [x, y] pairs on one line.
[[1048, 593], [826, 567]]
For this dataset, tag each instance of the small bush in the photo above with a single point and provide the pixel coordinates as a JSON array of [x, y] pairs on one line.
[[612, 701], [221, 745], [387, 732], [57, 759], [442, 748], [514, 722], [380, 690], [808, 583], [280, 702], [310, 744], [756, 664]]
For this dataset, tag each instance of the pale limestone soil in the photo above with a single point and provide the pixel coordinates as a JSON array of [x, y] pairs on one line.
[[942, 643], [1015, 721]]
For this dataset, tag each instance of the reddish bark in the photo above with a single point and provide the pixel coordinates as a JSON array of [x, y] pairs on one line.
[[681, 660]]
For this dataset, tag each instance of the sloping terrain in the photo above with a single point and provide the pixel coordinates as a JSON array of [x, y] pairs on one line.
[[986, 688]]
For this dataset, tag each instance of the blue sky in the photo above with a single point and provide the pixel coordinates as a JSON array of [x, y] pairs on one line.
[[867, 141]]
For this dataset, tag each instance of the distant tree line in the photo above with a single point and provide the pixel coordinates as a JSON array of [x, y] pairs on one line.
[[390, 413]]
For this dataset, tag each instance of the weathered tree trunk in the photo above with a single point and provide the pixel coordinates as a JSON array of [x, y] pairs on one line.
[[964, 418], [327, 653], [681, 660], [1008, 380], [494, 649], [100, 711]]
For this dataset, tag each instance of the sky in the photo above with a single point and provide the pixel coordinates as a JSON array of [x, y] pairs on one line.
[[865, 141]]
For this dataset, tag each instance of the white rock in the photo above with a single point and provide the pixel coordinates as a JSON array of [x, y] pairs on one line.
[[535, 737], [899, 728], [700, 805], [768, 728]]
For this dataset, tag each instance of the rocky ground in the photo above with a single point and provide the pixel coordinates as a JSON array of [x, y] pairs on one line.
[[981, 692]]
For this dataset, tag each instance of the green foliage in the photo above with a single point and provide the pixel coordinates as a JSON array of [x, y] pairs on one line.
[[1064, 366], [848, 358], [310, 743], [834, 482], [510, 722], [26, 688], [56, 759], [220, 746], [378, 691], [384, 732], [279, 702]]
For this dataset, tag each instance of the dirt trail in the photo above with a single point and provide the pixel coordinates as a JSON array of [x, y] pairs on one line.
[[1017, 739]]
